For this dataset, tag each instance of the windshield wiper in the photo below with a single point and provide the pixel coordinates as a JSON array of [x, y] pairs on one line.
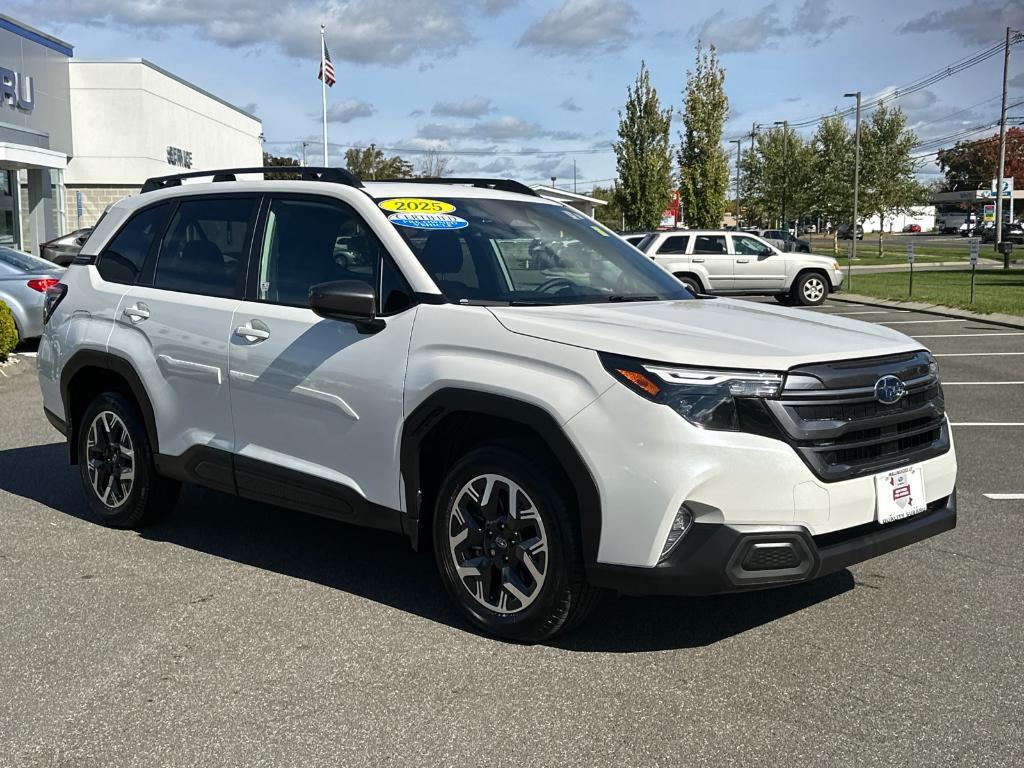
[[632, 297]]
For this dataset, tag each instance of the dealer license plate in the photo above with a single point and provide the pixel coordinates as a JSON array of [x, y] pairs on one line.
[[899, 493]]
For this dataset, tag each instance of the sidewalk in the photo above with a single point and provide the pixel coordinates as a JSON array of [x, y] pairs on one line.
[[1008, 321]]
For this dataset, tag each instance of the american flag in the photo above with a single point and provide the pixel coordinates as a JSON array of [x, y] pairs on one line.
[[326, 72]]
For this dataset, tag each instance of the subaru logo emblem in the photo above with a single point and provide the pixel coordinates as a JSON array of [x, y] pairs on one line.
[[889, 390]]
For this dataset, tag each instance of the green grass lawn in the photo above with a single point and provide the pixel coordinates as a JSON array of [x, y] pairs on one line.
[[868, 257], [995, 289]]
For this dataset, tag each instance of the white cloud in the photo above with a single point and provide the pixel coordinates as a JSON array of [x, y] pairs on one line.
[[811, 24], [570, 105], [358, 31], [579, 26], [976, 23], [474, 106], [349, 110], [497, 129]]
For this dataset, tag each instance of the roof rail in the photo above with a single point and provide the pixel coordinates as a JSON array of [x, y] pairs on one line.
[[305, 173], [503, 185]]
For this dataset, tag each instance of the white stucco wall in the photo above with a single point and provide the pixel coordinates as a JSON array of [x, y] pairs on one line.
[[125, 114]]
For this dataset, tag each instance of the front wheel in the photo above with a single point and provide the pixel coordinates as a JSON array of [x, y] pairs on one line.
[[692, 284], [507, 543], [810, 290]]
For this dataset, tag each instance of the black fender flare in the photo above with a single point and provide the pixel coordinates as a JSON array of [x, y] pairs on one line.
[[446, 401], [122, 367]]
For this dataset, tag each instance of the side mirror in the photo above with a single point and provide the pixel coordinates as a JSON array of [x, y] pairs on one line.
[[351, 301]]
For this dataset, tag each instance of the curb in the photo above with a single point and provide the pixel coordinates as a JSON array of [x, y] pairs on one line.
[[1005, 321]]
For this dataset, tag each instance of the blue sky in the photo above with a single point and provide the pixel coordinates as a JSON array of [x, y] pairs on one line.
[[523, 87]]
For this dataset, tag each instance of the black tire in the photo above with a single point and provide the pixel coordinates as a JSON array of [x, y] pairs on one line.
[[692, 284], [810, 289], [148, 497], [562, 598]]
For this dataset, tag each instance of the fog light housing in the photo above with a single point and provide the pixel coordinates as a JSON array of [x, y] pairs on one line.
[[682, 523]]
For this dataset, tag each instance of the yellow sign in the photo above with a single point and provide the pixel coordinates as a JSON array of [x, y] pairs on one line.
[[416, 205]]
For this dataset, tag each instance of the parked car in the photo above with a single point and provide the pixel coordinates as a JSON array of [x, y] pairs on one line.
[[549, 424], [809, 229], [1012, 233], [912, 228], [716, 261], [844, 232], [62, 250], [785, 241], [23, 283], [635, 238]]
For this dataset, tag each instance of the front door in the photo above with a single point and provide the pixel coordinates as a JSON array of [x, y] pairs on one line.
[[758, 266], [318, 403], [712, 252]]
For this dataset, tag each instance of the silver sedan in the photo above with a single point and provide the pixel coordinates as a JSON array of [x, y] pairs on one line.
[[23, 283]]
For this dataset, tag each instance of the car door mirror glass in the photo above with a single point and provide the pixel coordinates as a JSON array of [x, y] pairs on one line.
[[351, 301]]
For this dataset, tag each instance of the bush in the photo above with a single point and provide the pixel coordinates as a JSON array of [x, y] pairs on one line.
[[8, 333]]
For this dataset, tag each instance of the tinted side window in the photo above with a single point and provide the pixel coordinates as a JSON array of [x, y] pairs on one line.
[[675, 244], [122, 259], [312, 241], [710, 244], [749, 246], [204, 250]]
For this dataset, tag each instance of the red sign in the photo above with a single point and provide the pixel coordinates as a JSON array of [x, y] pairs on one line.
[[670, 216]]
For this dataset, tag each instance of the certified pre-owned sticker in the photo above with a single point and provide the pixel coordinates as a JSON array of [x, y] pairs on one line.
[[427, 221], [416, 205]]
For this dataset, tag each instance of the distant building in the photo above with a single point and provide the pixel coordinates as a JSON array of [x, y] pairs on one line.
[[582, 203]]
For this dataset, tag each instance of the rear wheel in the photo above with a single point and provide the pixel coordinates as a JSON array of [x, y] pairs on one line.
[[116, 465], [810, 289], [692, 284], [507, 544]]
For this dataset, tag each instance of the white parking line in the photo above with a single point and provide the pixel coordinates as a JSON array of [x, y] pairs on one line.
[[978, 383], [986, 424], [977, 354], [875, 312], [1003, 496], [917, 322], [966, 335]]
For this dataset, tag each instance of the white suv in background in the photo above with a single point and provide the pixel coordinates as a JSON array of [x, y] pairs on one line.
[[493, 375], [713, 261]]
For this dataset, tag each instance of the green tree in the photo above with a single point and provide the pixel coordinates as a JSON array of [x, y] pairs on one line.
[[277, 161], [776, 173], [973, 164], [643, 156], [610, 215], [888, 170], [703, 165], [832, 161], [370, 163]]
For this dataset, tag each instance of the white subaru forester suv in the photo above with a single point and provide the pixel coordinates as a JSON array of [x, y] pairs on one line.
[[494, 375]]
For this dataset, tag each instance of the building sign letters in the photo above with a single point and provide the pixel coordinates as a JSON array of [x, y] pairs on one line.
[[16, 90], [179, 157]]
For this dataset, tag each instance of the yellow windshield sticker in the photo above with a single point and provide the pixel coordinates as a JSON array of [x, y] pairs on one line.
[[599, 231], [416, 205]]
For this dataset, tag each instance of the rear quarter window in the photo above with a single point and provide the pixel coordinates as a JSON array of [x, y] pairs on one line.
[[122, 259]]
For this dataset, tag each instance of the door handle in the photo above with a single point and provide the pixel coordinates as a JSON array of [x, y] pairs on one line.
[[136, 314], [249, 333], [742, 261], [697, 261]]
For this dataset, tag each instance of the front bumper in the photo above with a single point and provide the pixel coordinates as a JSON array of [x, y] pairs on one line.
[[719, 557]]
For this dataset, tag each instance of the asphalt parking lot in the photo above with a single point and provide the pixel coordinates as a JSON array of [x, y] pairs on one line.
[[244, 635]]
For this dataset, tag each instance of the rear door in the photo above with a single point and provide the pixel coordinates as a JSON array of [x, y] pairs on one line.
[[318, 403], [175, 323], [711, 251], [758, 266]]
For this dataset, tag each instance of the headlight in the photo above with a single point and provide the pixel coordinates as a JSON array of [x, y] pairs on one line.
[[708, 398]]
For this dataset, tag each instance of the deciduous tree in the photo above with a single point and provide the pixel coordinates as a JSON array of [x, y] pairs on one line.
[[642, 155], [832, 166], [370, 163], [703, 164], [973, 164], [888, 170]]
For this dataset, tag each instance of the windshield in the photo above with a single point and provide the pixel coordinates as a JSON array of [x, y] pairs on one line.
[[24, 261], [484, 250]]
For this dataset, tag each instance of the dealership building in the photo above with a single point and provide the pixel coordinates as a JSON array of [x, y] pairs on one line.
[[76, 135]]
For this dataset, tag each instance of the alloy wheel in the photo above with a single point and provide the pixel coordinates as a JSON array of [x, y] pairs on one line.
[[111, 459], [498, 544], [813, 289]]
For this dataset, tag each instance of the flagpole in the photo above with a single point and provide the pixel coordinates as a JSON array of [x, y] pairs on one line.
[[323, 87]]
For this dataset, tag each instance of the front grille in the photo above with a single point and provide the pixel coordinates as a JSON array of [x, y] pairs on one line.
[[834, 421]]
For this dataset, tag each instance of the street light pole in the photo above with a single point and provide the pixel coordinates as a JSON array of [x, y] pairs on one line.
[[737, 142], [785, 169], [856, 188]]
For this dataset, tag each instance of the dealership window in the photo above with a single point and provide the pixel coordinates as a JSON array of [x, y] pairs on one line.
[[8, 207]]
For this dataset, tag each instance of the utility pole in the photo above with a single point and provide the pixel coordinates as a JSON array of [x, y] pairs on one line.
[[737, 142], [1002, 157], [574, 175], [856, 188], [304, 163], [785, 169]]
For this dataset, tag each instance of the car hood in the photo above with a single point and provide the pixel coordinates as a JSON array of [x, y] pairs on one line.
[[713, 332]]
